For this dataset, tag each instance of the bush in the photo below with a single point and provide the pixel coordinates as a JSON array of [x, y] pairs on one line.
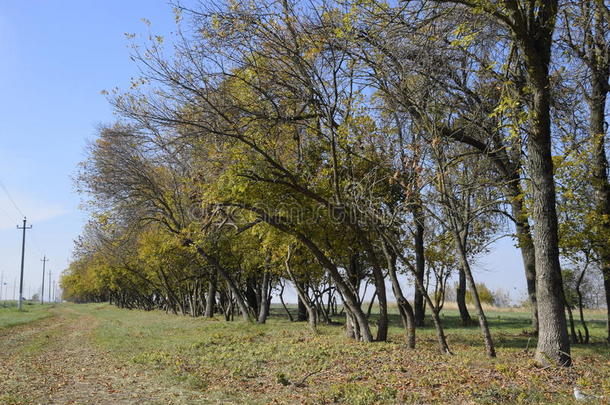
[[485, 295]]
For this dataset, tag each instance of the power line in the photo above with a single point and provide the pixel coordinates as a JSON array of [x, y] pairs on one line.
[[8, 214], [11, 198], [8, 194]]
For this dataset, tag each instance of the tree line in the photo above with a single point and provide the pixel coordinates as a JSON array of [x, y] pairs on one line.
[[339, 146]]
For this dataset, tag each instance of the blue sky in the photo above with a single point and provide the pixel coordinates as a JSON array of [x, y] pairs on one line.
[[57, 56]]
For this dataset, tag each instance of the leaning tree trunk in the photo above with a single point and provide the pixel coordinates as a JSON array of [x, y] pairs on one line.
[[352, 306], [281, 297], [382, 323], [489, 345], [312, 316], [436, 320], [404, 308], [369, 310], [302, 309], [229, 280], [349, 297]]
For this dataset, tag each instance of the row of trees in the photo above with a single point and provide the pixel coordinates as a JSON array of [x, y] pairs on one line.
[[338, 145]]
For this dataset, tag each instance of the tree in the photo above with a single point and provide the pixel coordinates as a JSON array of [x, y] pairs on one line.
[[467, 204], [586, 34], [485, 295], [411, 66], [532, 25]]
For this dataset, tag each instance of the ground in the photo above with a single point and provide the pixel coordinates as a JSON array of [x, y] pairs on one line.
[[98, 354]]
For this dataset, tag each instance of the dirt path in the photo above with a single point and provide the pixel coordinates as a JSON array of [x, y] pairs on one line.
[[52, 361]]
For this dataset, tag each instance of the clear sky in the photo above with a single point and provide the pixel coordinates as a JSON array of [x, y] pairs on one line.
[[57, 56]]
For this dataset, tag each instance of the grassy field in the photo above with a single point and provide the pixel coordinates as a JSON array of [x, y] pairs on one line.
[[10, 316], [174, 359]]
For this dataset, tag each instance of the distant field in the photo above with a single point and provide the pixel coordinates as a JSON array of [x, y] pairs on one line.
[[101, 354]]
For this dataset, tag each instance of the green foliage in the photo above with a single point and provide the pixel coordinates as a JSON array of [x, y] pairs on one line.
[[485, 294]]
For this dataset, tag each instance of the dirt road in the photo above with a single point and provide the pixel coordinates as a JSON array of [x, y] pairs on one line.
[[53, 361]]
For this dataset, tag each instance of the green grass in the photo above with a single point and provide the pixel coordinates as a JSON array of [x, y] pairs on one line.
[[11, 316], [283, 361]]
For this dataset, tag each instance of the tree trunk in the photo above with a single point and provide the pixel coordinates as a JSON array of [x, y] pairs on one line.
[[533, 31], [461, 299], [580, 307], [371, 303], [597, 106], [302, 309], [302, 293], [352, 306], [489, 345], [264, 298], [350, 330], [526, 245], [571, 323], [440, 333], [281, 297], [420, 265], [607, 288], [553, 341], [382, 323], [349, 297], [252, 294], [211, 298], [228, 279], [404, 308]]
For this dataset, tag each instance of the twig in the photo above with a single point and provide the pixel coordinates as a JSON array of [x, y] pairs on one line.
[[302, 382]]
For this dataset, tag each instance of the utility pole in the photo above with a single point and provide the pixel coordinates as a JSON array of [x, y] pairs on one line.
[[24, 228], [44, 261], [49, 300]]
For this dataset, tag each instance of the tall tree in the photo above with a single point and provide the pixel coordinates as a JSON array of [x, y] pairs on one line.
[[587, 33], [532, 25]]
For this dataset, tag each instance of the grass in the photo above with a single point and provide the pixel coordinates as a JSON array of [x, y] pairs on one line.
[[283, 362], [11, 316]]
